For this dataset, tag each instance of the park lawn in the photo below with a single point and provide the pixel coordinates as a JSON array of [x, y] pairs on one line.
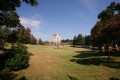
[[66, 63]]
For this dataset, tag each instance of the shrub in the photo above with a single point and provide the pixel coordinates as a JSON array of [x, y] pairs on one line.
[[16, 58]]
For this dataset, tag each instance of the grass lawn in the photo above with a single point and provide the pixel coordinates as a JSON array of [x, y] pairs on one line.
[[67, 63]]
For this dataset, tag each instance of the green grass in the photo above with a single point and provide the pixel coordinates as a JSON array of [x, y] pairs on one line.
[[67, 63]]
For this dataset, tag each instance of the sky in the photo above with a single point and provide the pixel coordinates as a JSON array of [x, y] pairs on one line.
[[66, 17]]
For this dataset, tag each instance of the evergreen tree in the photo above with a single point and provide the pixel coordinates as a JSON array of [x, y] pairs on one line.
[[80, 40], [74, 41], [40, 42], [87, 40]]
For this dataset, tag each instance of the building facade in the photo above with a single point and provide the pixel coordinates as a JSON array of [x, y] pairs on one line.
[[56, 38]]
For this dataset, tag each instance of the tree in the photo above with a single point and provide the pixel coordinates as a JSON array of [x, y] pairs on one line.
[[12, 38], [80, 40], [40, 42], [87, 40], [8, 16], [107, 32], [67, 41], [25, 36], [33, 40], [4, 33], [10, 5], [97, 38], [9, 19], [74, 40], [105, 15]]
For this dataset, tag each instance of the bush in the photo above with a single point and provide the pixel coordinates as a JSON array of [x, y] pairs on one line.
[[16, 58]]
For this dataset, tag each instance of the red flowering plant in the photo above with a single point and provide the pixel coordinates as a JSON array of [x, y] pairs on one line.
[[96, 35], [114, 25], [20, 48], [28, 29], [17, 58]]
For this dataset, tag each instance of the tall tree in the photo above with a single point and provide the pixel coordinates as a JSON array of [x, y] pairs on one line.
[[74, 40], [80, 40], [9, 19], [105, 15], [110, 26], [40, 42], [87, 40]]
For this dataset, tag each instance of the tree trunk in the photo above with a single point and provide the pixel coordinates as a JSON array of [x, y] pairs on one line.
[[107, 46], [93, 47], [2, 43], [114, 47], [100, 48]]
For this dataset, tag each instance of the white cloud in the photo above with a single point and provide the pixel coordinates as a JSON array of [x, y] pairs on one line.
[[36, 23], [28, 22]]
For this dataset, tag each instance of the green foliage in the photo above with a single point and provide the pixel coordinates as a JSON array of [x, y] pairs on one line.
[[74, 41], [106, 14], [12, 4], [40, 42], [25, 36], [67, 41], [16, 58], [10, 19], [79, 40], [87, 40], [33, 40], [4, 31]]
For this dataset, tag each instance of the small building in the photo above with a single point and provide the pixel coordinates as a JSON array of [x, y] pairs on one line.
[[56, 39]]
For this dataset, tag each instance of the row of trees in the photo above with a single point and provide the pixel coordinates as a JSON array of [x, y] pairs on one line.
[[81, 40], [22, 35], [10, 27], [67, 42], [107, 30], [12, 31]]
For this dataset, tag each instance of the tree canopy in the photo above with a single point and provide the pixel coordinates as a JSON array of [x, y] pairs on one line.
[[10, 5], [107, 30]]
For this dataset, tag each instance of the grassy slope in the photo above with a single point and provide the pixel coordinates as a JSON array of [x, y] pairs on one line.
[[68, 63]]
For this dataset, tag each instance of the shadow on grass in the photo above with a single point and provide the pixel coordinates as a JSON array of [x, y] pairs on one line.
[[95, 59], [71, 78], [10, 76], [114, 79], [84, 54]]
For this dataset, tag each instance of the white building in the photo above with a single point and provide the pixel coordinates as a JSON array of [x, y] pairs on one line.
[[56, 39]]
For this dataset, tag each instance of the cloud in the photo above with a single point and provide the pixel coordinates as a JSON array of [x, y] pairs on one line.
[[36, 23], [28, 22]]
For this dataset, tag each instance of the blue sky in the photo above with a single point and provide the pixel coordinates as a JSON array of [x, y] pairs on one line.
[[67, 17]]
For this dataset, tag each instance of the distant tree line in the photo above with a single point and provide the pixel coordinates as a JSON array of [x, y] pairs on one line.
[[66, 42], [41, 42], [81, 40], [11, 35]]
